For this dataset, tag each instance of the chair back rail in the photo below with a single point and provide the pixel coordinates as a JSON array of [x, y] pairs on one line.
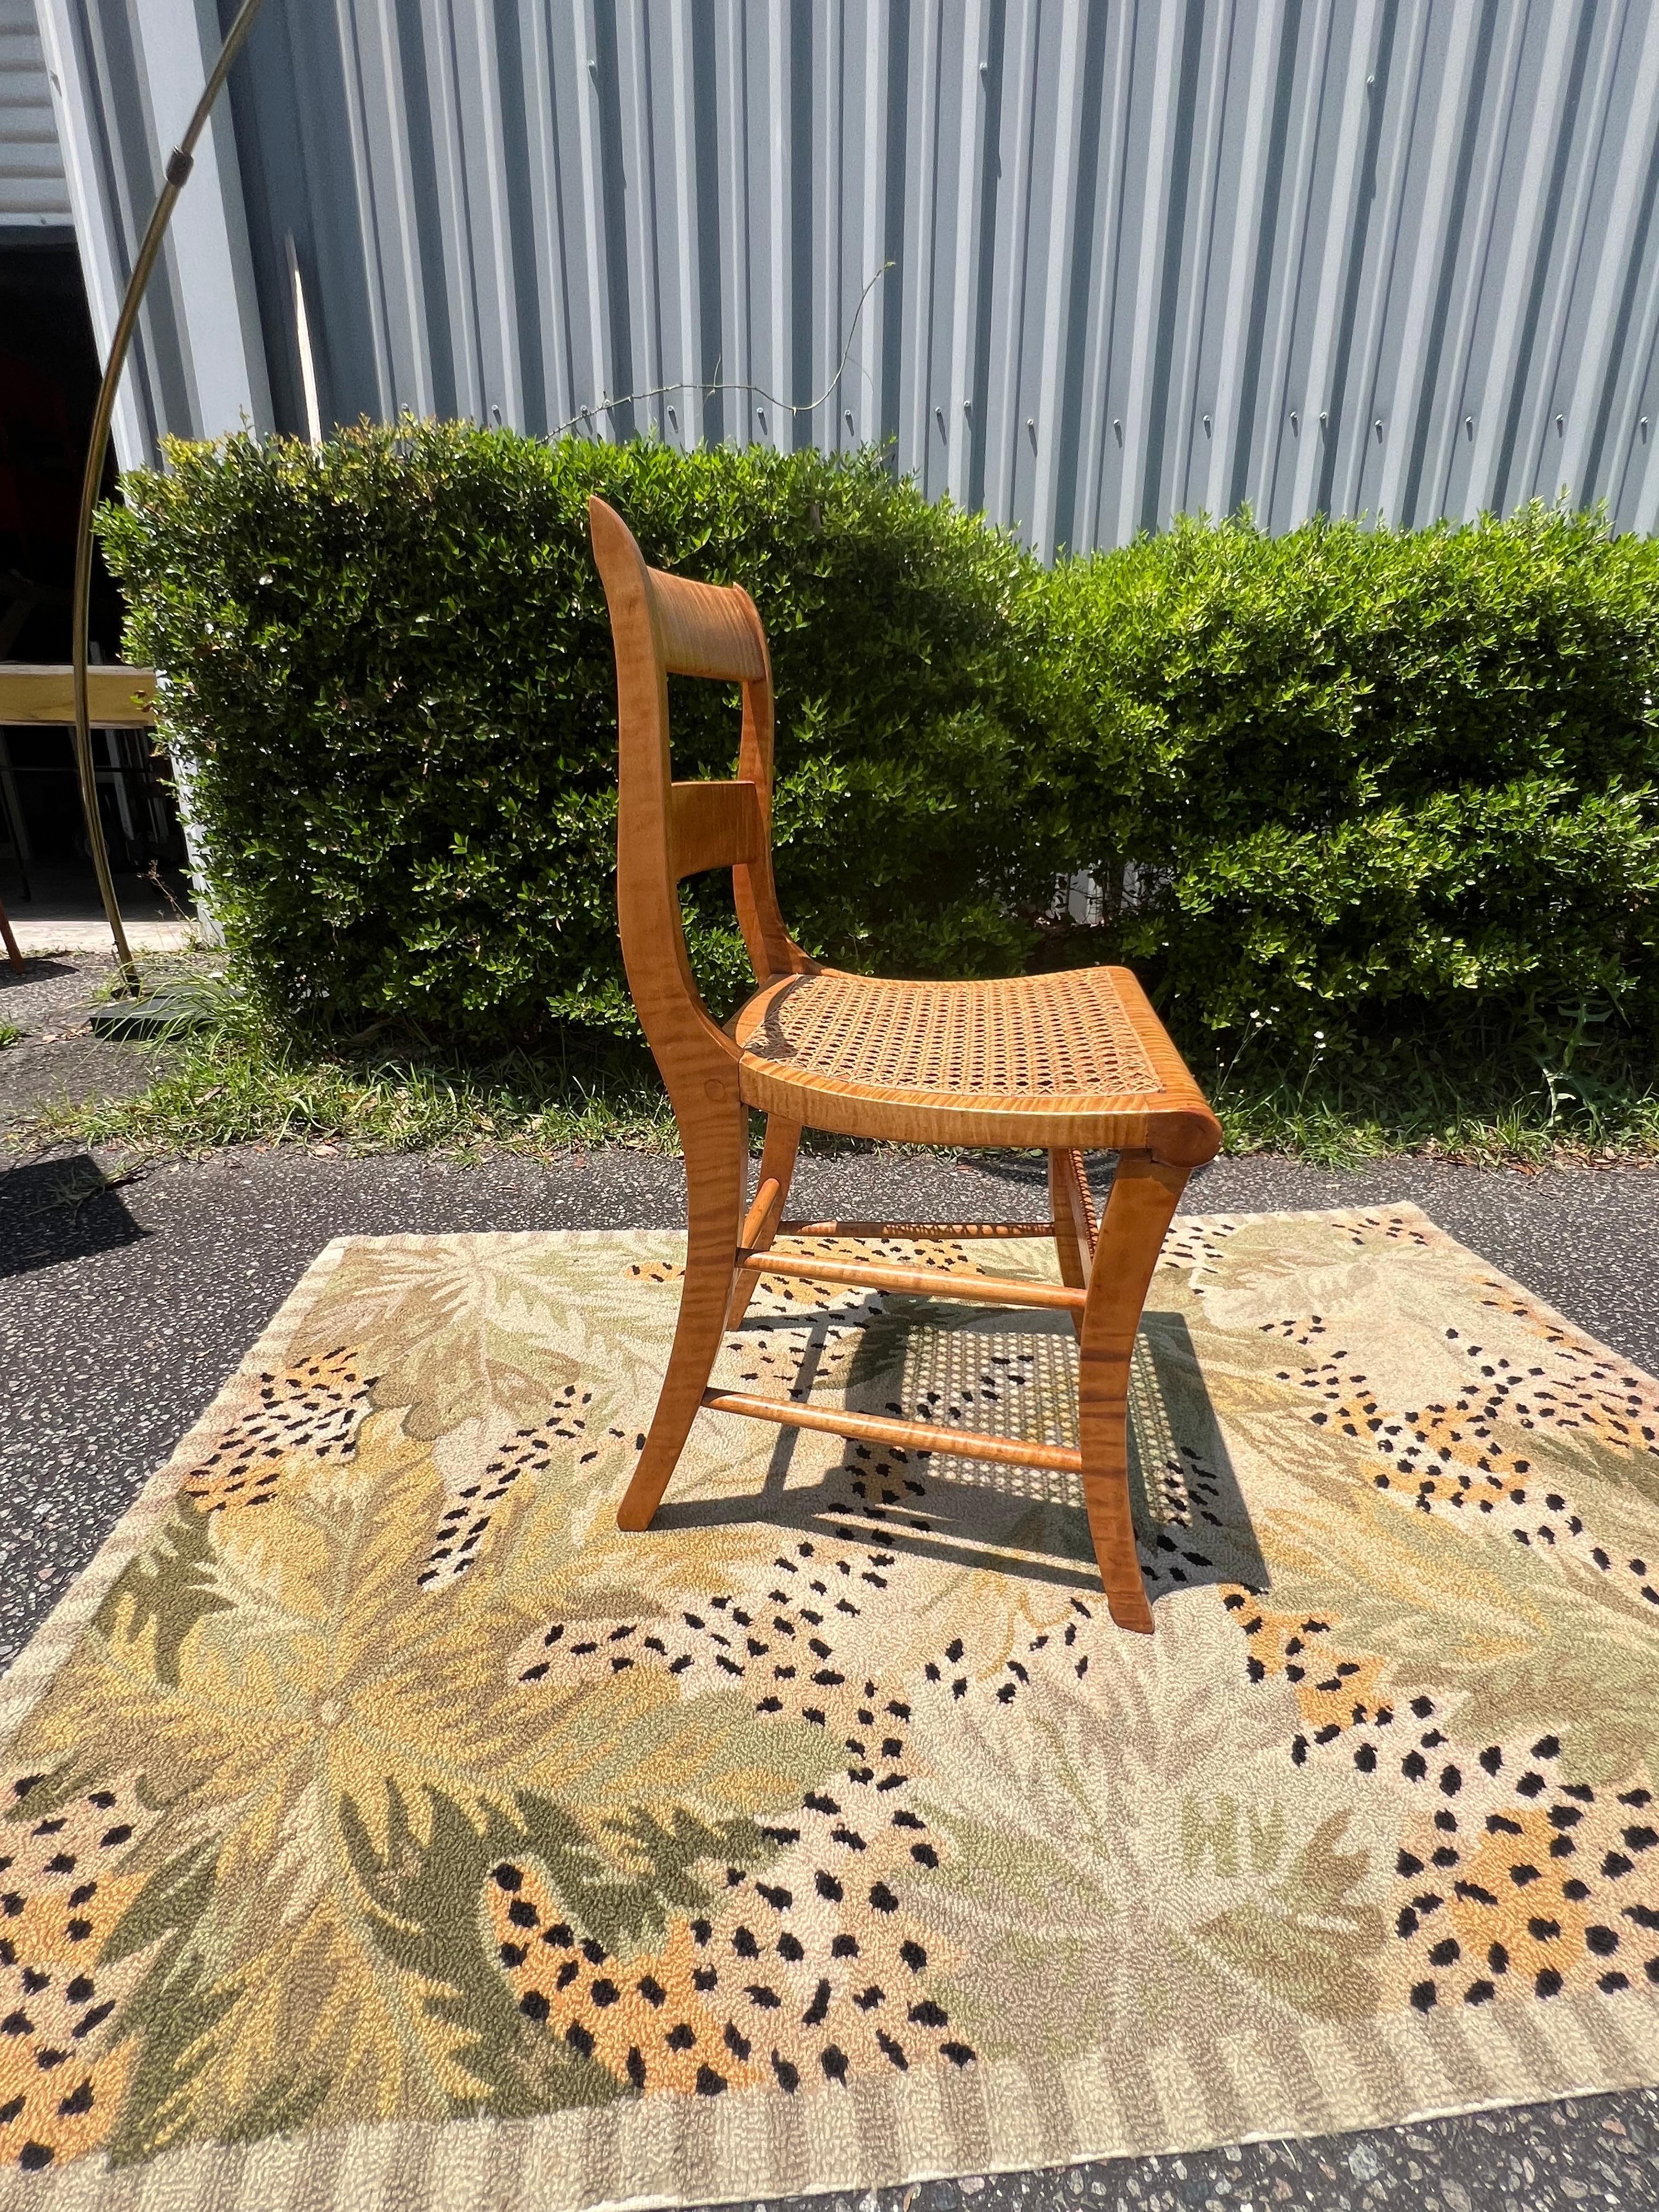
[[708, 630], [715, 825]]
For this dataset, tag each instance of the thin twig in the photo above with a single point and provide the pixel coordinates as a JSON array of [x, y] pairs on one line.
[[687, 383], [153, 877]]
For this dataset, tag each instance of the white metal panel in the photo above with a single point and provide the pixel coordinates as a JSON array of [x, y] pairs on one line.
[[1145, 255], [125, 79], [33, 190]]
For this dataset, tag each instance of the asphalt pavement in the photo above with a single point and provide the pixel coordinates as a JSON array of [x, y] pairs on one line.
[[124, 1303]]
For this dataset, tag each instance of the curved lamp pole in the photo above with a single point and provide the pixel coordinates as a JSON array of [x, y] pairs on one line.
[[180, 161]]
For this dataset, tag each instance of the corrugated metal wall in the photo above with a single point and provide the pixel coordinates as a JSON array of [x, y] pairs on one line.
[[125, 76], [1139, 256], [32, 193]]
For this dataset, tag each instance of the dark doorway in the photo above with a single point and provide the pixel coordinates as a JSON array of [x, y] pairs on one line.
[[49, 371]]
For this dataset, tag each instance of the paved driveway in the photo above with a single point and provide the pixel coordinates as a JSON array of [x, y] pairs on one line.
[[122, 1311]]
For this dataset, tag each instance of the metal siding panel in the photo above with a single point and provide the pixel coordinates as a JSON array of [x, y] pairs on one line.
[[387, 182], [1607, 278], [123, 76], [1539, 138], [1161, 99], [1191, 403], [1642, 495], [871, 126], [669, 66], [1433, 403], [1062, 224], [638, 159], [1004, 308], [772, 219], [1622, 451], [550, 136], [1543, 464], [1337, 136], [1268, 475], [589, 97], [964, 179], [77, 81], [1242, 185], [33, 190], [823, 426], [1103, 454], [1440, 84], [930, 453], [1140, 247], [1450, 450], [729, 185]]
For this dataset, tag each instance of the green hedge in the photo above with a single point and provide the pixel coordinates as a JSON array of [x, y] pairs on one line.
[[391, 689], [1377, 784], [1373, 782]]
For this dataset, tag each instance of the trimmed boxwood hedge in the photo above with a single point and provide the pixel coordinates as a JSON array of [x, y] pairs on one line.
[[391, 688], [1372, 783], [1383, 784]]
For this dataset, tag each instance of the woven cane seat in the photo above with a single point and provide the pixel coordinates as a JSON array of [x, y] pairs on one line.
[[1081, 1046]]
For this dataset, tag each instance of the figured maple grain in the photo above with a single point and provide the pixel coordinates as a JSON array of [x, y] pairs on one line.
[[897, 1435], [1061, 1062], [913, 1282]]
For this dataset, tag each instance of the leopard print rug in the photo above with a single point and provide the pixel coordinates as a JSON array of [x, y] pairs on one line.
[[380, 1824]]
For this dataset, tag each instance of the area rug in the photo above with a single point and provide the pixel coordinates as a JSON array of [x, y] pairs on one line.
[[383, 1827]]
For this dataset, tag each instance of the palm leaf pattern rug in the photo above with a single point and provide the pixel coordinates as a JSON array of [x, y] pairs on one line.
[[381, 1825]]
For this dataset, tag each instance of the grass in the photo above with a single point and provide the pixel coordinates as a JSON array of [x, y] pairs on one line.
[[1487, 1116], [224, 1077], [9, 1034], [1595, 1098]]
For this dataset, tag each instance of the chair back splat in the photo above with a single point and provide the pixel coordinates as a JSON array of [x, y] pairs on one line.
[[1060, 1062]]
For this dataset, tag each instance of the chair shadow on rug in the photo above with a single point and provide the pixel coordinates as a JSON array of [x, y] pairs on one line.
[[1008, 1375]]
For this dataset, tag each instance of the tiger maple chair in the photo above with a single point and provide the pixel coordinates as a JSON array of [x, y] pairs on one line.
[[1065, 1062]]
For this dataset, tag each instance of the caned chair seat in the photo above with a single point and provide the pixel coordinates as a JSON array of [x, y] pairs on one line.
[[1076, 1058], [1066, 1062]]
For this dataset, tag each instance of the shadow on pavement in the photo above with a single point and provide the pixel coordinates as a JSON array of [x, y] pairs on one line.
[[52, 1211], [38, 967]]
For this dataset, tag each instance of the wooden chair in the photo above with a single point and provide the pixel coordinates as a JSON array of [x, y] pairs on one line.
[[1067, 1061]]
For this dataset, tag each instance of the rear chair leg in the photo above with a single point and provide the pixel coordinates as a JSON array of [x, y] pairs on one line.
[[716, 1170], [1072, 1233], [777, 1165], [1144, 1197]]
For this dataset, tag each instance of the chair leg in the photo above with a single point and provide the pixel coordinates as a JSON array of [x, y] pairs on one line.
[[1073, 1259], [777, 1165], [716, 1170], [1144, 1197]]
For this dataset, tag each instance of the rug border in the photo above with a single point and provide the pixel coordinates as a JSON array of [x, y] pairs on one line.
[[1012, 2118], [1004, 2117]]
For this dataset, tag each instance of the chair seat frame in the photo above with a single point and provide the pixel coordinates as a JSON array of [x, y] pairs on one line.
[[664, 625]]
